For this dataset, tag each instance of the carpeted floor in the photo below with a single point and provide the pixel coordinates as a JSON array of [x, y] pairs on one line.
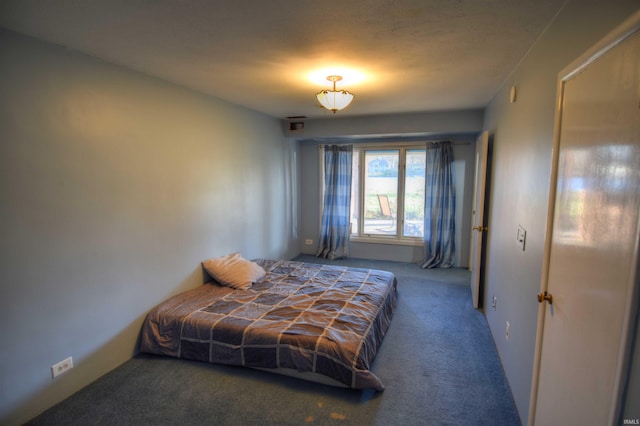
[[438, 363]]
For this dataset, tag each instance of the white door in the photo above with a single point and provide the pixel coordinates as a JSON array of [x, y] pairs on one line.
[[592, 246], [478, 227]]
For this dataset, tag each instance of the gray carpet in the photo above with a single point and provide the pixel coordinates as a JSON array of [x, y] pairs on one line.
[[438, 363]]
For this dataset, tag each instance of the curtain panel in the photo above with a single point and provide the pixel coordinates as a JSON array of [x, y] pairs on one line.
[[336, 206], [440, 206]]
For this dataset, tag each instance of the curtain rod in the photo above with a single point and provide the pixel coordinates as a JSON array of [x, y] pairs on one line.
[[388, 143]]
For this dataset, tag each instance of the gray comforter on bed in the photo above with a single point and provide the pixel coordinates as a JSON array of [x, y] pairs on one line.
[[323, 319]]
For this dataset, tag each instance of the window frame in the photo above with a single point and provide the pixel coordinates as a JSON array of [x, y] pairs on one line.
[[398, 239]]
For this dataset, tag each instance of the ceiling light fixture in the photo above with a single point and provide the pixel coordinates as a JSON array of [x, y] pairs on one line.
[[334, 100]]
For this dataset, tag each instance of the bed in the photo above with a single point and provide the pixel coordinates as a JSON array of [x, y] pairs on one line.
[[318, 322]]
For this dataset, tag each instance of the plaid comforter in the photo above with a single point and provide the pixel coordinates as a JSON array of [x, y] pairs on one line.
[[328, 320]]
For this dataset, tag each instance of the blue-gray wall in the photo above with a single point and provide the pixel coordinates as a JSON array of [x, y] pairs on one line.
[[113, 188]]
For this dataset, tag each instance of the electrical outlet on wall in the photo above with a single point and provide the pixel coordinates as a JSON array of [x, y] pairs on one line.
[[61, 367], [494, 302], [508, 331]]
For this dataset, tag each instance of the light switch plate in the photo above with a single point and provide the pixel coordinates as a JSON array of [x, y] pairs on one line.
[[521, 237]]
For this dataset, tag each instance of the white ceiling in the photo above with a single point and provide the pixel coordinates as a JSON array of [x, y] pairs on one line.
[[413, 55]]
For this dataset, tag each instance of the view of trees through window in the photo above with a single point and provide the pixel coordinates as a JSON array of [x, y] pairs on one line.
[[392, 184]]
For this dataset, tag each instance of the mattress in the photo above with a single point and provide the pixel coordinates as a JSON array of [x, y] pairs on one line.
[[319, 322]]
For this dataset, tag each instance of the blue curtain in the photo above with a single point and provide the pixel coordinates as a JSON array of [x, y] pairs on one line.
[[440, 207], [336, 206]]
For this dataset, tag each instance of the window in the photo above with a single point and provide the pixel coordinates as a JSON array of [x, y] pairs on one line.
[[387, 199]]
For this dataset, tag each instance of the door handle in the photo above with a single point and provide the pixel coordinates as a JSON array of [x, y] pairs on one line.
[[545, 296], [480, 228]]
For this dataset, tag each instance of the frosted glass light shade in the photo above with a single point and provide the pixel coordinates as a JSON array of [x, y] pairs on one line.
[[334, 100]]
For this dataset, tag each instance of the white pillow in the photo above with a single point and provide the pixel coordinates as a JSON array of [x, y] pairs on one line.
[[234, 271]]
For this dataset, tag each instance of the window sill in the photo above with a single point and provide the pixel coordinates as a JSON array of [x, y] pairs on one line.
[[386, 240]]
